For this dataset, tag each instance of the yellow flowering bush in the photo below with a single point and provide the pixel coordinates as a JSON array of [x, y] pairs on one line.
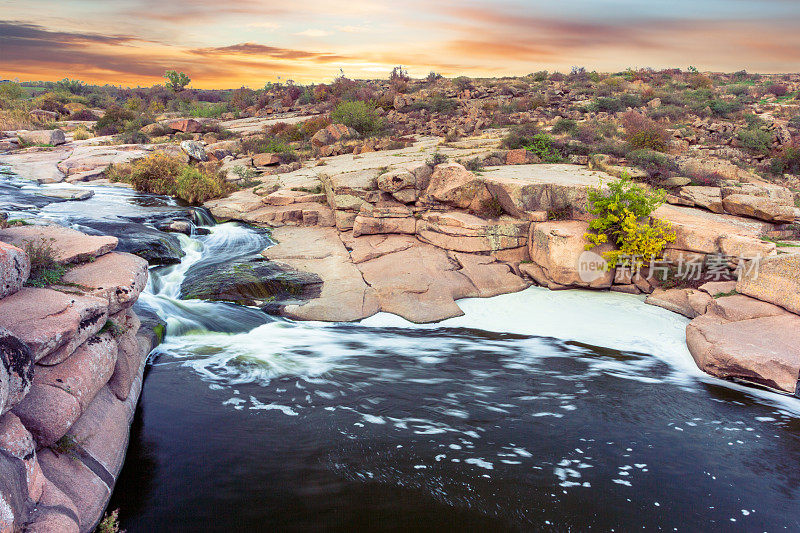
[[622, 217]]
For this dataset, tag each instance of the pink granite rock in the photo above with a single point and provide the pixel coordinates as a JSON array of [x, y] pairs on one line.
[[15, 267], [129, 357], [761, 350], [85, 372], [69, 245], [48, 413], [17, 442], [16, 370], [117, 277], [52, 323], [79, 483]]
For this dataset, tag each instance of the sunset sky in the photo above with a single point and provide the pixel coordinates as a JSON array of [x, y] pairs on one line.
[[230, 43]]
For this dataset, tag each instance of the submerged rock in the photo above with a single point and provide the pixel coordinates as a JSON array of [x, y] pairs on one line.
[[249, 281], [157, 247]]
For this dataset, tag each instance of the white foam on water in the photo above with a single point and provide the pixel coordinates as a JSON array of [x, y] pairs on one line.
[[605, 319]]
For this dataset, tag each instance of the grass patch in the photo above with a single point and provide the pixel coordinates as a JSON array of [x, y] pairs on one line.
[[45, 270]]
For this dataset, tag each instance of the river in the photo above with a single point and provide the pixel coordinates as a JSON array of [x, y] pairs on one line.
[[540, 410]]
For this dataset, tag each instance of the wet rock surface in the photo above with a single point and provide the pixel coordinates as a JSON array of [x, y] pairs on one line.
[[249, 281]]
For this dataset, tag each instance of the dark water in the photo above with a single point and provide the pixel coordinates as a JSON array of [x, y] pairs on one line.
[[452, 429], [539, 411]]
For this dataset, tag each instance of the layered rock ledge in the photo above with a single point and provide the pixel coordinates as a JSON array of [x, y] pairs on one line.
[[72, 358]]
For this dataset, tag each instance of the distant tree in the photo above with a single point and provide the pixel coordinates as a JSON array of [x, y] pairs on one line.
[[176, 80], [11, 91], [399, 74], [72, 86]]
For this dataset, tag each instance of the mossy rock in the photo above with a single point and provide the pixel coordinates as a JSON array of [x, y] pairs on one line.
[[249, 281]]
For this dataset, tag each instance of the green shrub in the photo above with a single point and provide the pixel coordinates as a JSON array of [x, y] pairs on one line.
[[81, 134], [159, 173], [437, 158], [360, 116], [45, 270], [787, 162], [11, 91], [756, 140], [176, 80], [437, 104], [642, 132], [671, 112], [263, 144], [565, 125], [520, 136], [656, 164], [541, 145], [196, 185], [723, 108], [115, 120], [473, 165], [622, 217], [606, 104]]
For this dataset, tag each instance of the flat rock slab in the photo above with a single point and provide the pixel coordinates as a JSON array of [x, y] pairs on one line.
[[368, 247], [765, 350], [236, 205], [420, 284], [462, 232], [711, 233], [488, 276], [69, 245], [86, 158], [543, 187], [38, 165], [52, 323], [307, 214], [775, 280], [344, 296], [248, 126], [117, 277], [67, 194]]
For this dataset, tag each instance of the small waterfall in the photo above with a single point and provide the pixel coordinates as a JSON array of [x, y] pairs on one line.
[[203, 217], [223, 243]]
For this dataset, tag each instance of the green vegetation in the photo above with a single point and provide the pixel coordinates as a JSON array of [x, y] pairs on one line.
[[541, 145], [734, 292], [656, 164], [45, 269], [110, 523], [159, 173], [176, 80], [437, 158], [113, 328], [643, 133], [622, 217], [361, 116]]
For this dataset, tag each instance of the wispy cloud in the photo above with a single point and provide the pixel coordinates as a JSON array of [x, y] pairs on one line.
[[313, 33]]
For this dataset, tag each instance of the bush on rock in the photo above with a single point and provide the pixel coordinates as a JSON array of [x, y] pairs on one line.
[[159, 173], [622, 217]]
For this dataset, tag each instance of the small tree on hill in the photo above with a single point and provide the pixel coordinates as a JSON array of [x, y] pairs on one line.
[[176, 80]]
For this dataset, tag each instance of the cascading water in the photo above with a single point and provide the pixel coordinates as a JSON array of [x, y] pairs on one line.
[[222, 243]]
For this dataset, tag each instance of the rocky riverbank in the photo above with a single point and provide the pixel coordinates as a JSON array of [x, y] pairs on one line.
[[73, 357], [406, 231]]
